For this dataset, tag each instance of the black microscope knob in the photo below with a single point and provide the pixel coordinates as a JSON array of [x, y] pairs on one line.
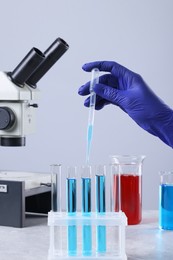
[[7, 118]]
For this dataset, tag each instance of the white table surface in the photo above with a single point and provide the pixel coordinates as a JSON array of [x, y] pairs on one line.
[[144, 241]]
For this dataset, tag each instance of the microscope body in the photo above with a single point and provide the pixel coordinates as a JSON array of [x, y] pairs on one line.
[[17, 111], [18, 93]]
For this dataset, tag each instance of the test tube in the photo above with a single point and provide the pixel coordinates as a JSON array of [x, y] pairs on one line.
[[56, 231], [71, 209], [86, 210], [115, 186], [56, 187], [101, 206]]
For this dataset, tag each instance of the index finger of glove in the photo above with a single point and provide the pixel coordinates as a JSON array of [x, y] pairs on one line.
[[107, 66]]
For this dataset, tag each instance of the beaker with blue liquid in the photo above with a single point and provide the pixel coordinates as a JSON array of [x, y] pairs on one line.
[[166, 200]]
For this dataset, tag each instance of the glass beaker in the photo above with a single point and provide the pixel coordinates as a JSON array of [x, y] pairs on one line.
[[127, 186], [166, 200]]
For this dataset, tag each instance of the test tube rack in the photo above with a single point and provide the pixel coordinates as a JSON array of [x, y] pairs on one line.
[[114, 223], [85, 234]]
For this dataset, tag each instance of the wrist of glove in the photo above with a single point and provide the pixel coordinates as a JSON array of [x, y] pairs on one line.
[[163, 127]]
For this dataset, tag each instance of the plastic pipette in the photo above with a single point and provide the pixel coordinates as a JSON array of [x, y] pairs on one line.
[[94, 80]]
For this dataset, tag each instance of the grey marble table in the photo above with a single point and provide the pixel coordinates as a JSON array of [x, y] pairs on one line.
[[144, 241], [147, 241]]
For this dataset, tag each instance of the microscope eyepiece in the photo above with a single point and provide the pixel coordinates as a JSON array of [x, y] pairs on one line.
[[27, 66], [52, 55]]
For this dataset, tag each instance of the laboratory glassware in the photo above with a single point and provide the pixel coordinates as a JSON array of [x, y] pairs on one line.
[[100, 183], [127, 186], [56, 187], [166, 200], [56, 205], [71, 198], [86, 208]]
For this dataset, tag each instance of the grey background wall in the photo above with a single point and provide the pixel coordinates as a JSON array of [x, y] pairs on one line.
[[137, 34]]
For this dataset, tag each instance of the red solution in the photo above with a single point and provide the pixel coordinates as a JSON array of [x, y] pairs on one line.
[[131, 201]]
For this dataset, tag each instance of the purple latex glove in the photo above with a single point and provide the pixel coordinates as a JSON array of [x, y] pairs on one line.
[[128, 90]]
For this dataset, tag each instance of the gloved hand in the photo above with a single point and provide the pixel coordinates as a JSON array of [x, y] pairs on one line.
[[128, 90]]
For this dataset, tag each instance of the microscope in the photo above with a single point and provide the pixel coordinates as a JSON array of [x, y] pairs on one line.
[[19, 93]]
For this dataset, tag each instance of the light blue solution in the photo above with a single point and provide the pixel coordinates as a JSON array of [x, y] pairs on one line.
[[86, 210], [89, 139], [71, 209], [87, 240], [100, 194], [86, 195], [101, 208], [166, 207], [71, 195]]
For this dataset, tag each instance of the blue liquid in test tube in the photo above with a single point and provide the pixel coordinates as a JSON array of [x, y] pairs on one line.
[[166, 206], [86, 209], [101, 208], [71, 208]]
